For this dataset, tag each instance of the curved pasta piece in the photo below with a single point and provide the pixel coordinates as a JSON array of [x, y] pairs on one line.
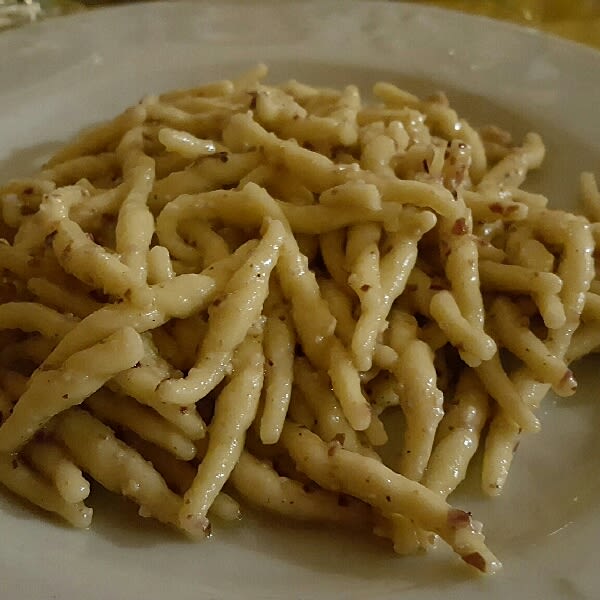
[[55, 464], [576, 271], [231, 317], [35, 317], [331, 423], [22, 480], [339, 470], [473, 344], [458, 436], [50, 392], [278, 346], [260, 485], [114, 465], [235, 410], [126, 412], [422, 404]]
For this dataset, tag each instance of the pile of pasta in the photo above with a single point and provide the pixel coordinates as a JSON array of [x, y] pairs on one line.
[[221, 295]]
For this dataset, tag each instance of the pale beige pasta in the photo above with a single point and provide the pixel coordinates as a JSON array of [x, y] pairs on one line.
[[298, 411], [94, 139], [335, 468], [586, 340], [300, 287], [25, 482], [52, 461], [88, 167], [191, 294], [576, 271], [340, 304], [332, 245], [458, 436], [420, 398], [591, 310], [463, 269], [185, 144], [352, 195], [126, 412], [400, 258], [494, 207], [91, 263], [530, 253], [263, 487], [52, 294], [235, 410], [141, 381], [345, 380], [513, 168], [246, 293], [210, 245], [135, 222], [513, 332], [315, 332], [517, 280], [474, 345], [331, 424], [362, 254], [203, 175], [160, 267], [499, 386], [97, 451], [31, 316], [51, 392], [407, 539], [230, 320], [179, 474], [54, 208], [278, 346]]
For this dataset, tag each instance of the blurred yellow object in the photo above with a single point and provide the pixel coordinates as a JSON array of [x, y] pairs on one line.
[[577, 20], [21, 12]]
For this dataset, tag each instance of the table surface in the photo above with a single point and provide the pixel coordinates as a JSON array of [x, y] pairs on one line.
[[578, 20]]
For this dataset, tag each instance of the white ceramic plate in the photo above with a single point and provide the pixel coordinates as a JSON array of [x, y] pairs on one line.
[[63, 74]]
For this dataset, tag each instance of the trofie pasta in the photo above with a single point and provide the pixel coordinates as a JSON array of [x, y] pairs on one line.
[[217, 298]]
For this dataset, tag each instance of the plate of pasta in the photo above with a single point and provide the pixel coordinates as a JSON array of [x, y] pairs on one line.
[[297, 301]]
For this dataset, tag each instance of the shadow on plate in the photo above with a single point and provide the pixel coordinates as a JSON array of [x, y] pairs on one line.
[[25, 162]]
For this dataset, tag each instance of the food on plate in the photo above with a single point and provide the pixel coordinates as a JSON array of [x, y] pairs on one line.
[[218, 297]]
